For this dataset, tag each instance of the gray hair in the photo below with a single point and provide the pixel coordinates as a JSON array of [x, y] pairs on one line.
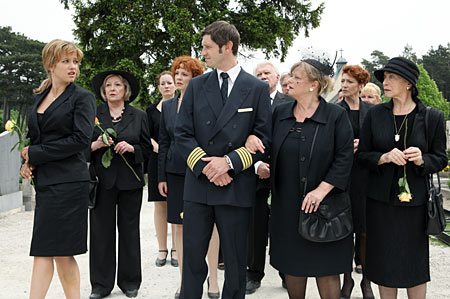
[[266, 62]]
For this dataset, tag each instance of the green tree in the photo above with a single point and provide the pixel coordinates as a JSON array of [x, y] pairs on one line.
[[144, 36], [409, 53], [377, 60], [437, 63], [429, 93], [20, 71]]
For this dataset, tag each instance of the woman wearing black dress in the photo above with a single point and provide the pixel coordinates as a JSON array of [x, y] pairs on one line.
[[397, 245], [119, 191], [166, 87], [294, 127], [60, 127], [354, 78]]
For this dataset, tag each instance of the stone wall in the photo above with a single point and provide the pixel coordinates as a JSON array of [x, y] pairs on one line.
[[10, 194]]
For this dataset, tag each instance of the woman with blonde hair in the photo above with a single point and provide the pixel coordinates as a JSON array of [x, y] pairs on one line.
[[60, 126], [371, 93], [166, 87]]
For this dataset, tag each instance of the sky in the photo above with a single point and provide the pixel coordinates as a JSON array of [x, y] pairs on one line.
[[356, 26]]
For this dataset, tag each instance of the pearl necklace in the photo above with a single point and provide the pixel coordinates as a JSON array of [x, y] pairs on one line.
[[118, 117]]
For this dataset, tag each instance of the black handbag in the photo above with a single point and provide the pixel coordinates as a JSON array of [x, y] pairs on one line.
[[333, 219], [435, 208], [93, 182]]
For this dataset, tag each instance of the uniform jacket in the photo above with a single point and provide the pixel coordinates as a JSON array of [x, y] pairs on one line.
[[332, 156], [206, 127], [169, 159], [377, 138], [133, 128], [58, 146]]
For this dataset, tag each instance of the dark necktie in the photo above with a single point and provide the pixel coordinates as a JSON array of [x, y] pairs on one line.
[[224, 87]]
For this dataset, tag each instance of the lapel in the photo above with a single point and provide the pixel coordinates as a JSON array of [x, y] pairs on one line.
[[34, 125], [363, 108], [127, 118], [104, 116], [213, 96], [277, 100], [237, 96], [388, 122], [60, 100], [418, 126]]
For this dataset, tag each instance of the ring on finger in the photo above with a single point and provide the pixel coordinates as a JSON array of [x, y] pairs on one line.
[[313, 203]]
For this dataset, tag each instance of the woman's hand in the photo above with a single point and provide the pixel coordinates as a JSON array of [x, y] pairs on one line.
[[123, 147], [263, 170], [355, 145], [414, 154], [312, 200], [254, 144], [26, 171], [98, 144], [395, 156], [162, 187], [24, 154], [155, 145]]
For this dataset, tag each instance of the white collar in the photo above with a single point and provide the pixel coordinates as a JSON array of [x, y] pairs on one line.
[[233, 73], [273, 94]]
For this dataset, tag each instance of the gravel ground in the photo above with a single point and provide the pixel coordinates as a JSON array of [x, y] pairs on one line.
[[16, 266]]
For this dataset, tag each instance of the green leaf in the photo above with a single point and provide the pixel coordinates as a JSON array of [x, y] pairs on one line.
[[15, 146], [401, 182], [407, 187], [106, 158], [111, 132], [105, 139], [27, 142]]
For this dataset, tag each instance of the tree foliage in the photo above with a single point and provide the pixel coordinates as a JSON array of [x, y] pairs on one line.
[[377, 60], [429, 93], [144, 36], [437, 63], [20, 71]]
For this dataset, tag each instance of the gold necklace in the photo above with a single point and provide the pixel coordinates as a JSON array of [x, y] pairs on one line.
[[397, 132]]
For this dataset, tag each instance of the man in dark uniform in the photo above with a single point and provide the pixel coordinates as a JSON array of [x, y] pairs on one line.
[[259, 220], [220, 110]]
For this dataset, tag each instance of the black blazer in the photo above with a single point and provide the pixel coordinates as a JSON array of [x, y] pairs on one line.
[[363, 109], [58, 146], [332, 156], [280, 98], [207, 128], [377, 138], [133, 128], [169, 159]]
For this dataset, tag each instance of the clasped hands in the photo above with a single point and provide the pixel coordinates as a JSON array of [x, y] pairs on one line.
[[217, 171], [398, 157], [120, 148]]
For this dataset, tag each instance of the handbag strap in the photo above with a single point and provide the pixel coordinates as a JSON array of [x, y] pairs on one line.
[[310, 157], [430, 183]]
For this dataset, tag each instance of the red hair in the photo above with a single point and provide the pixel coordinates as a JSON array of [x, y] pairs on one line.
[[357, 72], [188, 63]]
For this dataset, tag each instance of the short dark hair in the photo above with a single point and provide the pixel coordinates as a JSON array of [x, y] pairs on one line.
[[222, 32]]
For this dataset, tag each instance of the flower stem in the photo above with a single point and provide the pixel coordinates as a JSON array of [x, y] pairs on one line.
[[129, 166]]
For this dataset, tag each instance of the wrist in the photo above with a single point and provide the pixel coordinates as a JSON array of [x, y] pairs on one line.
[[228, 161]]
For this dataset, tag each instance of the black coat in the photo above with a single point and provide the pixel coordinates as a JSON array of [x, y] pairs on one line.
[[332, 156], [58, 146], [207, 128], [169, 159], [133, 128], [377, 138]]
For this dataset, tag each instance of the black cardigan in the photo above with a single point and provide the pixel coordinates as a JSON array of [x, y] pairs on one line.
[[377, 138]]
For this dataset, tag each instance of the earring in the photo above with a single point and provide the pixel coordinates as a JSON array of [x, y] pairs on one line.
[[311, 89], [407, 87]]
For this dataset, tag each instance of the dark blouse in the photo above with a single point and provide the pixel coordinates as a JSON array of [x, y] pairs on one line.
[[354, 120], [154, 117]]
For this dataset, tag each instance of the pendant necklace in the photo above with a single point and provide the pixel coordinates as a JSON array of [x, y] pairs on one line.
[[397, 132]]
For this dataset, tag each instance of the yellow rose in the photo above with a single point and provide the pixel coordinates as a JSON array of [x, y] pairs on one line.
[[9, 126], [405, 197], [181, 215]]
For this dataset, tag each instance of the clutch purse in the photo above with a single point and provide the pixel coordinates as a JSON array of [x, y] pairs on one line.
[[435, 208]]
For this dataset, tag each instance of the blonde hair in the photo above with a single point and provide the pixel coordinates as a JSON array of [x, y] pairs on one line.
[[124, 82], [374, 88], [325, 82], [52, 52]]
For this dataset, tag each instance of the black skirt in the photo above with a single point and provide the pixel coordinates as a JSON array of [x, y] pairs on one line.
[[397, 253], [60, 220], [175, 188], [152, 169]]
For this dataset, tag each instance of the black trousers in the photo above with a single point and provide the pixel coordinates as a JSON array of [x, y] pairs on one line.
[[102, 252], [198, 223], [258, 237]]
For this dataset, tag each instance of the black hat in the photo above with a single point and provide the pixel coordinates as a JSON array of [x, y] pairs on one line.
[[323, 67], [400, 66], [97, 82]]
